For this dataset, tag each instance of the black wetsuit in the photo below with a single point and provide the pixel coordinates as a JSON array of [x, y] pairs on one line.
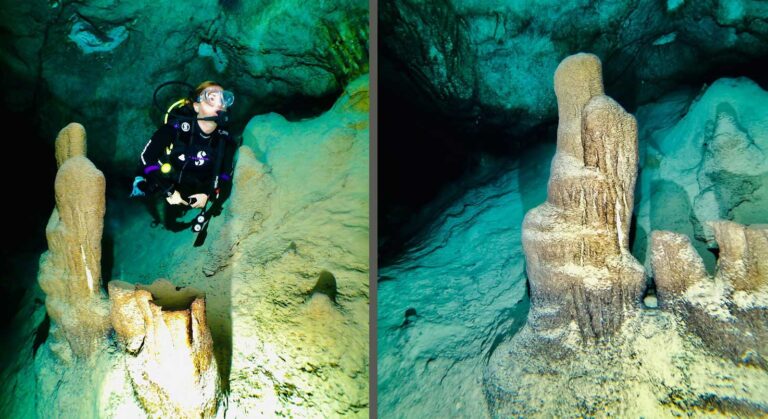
[[193, 157]]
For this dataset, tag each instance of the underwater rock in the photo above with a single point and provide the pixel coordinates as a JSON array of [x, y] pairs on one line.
[[491, 60], [576, 244], [585, 288], [730, 310], [460, 291], [70, 271], [303, 210], [705, 160], [173, 370], [252, 190], [580, 235]]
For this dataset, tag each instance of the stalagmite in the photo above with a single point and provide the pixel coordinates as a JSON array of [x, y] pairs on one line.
[[589, 347], [576, 243], [70, 271]]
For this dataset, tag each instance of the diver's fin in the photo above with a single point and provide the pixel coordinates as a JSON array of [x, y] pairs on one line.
[[200, 239]]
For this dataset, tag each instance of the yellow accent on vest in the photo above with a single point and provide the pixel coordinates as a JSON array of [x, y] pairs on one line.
[[179, 103], [165, 168]]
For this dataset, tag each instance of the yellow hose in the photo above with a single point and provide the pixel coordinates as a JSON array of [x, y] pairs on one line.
[[179, 103]]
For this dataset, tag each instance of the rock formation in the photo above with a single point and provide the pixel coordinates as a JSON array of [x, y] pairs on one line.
[[579, 267], [298, 207], [172, 367], [168, 350], [589, 347], [297, 256], [704, 159], [70, 271], [730, 310]]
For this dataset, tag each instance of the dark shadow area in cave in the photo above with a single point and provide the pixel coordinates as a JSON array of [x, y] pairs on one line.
[[626, 88], [41, 334], [107, 259], [296, 108], [421, 151], [28, 174]]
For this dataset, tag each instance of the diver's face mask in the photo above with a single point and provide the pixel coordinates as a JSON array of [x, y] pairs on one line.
[[217, 97]]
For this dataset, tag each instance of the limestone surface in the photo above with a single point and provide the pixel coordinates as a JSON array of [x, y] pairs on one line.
[[172, 367], [70, 271], [730, 310], [579, 266], [101, 60]]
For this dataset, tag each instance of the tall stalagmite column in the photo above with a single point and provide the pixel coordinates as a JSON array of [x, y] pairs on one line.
[[70, 271], [584, 281]]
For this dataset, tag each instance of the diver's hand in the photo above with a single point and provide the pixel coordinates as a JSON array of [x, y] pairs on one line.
[[198, 200], [175, 199]]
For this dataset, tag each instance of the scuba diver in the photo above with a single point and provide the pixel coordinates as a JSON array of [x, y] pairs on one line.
[[187, 158]]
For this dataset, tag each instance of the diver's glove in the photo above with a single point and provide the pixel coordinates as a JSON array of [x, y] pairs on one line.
[[139, 185], [174, 198]]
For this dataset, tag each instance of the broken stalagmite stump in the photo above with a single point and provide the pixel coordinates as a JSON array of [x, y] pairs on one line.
[[172, 367], [730, 310]]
